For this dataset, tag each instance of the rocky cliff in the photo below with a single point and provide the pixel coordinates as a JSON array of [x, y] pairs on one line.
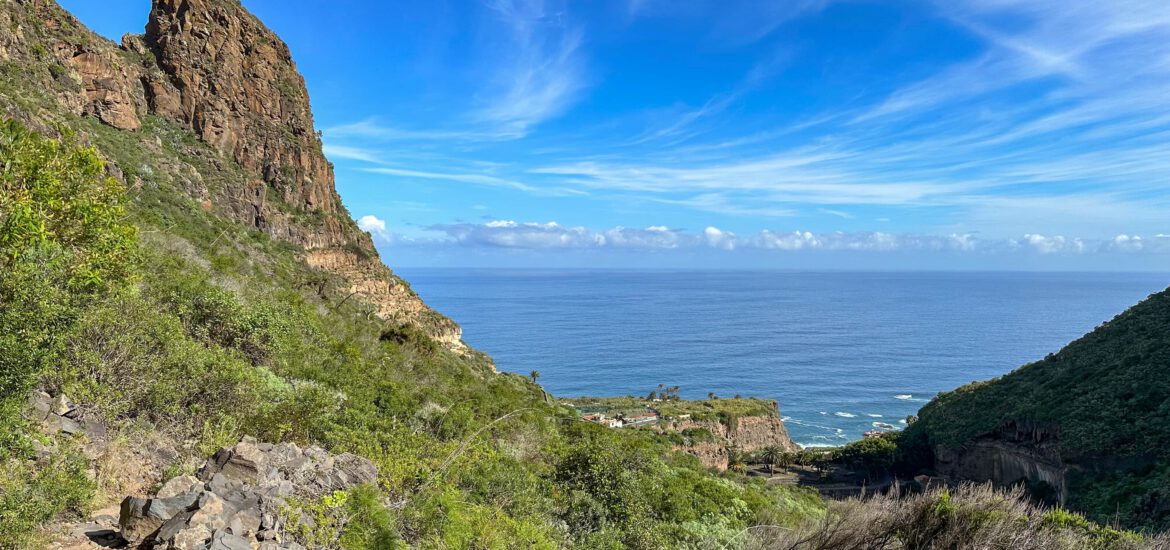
[[1014, 454], [213, 68], [746, 434], [1085, 426]]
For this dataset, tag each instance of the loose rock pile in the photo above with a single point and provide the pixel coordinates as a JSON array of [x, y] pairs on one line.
[[236, 501], [59, 414]]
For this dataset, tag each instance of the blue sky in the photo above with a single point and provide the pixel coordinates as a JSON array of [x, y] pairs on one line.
[[948, 134]]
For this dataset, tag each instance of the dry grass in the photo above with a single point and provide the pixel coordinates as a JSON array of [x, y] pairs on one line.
[[971, 517]]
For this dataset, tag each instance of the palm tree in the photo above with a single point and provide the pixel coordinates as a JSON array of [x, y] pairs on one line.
[[772, 455], [534, 375]]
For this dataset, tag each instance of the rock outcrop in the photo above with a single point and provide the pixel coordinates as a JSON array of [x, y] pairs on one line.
[[1015, 454], [240, 499], [215, 69], [745, 434]]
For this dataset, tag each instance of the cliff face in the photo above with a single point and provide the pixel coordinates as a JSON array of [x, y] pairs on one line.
[[1013, 455], [213, 68], [746, 434], [1088, 421]]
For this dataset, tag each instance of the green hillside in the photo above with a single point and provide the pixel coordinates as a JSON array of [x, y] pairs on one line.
[[1104, 400], [179, 265], [128, 284]]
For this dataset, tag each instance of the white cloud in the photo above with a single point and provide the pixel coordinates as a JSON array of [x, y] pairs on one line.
[[541, 73], [476, 179], [718, 238], [375, 226], [530, 235], [1051, 245], [510, 234]]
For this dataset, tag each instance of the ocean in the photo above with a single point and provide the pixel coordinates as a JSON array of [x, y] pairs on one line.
[[841, 352]]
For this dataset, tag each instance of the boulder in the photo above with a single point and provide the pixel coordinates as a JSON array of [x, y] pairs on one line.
[[238, 498]]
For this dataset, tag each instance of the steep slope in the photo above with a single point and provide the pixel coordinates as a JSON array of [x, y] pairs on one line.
[[210, 67], [1086, 426], [213, 288]]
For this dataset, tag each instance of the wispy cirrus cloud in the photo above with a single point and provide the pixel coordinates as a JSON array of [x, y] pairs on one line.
[[371, 129], [474, 178], [736, 22], [541, 71], [1052, 121]]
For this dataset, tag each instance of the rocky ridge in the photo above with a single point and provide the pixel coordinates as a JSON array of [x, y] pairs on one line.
[[213, 68]]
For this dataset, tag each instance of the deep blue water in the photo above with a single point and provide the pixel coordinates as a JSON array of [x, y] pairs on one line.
[[839, 351]]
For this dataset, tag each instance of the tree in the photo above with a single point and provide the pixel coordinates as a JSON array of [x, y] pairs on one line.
[[772, 455], [534, 375], [712, 396], [652, 396]]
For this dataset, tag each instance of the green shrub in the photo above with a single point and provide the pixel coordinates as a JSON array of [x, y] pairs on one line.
[[33, 493]]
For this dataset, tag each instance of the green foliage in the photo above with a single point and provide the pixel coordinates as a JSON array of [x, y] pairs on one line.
[[1106, 395], [54, 195], [874, 455], [726, 411], [211, 331], [350, 520], [64, 241], [34, 492]]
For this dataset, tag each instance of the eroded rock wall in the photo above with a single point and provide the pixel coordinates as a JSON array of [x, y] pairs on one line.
[[1016, 453], [747, 434], [215, 69]]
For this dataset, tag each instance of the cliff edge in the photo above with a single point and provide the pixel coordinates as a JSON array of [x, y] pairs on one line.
[[211, 67]]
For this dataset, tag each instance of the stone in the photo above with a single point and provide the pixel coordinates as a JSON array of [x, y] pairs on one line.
[[179, 486], [133, 522], [139, 518], [190, 538], [62, 405], [246, 522], [40, 404], [241, 498], [67, 425], [106, 517], [222, 540], [211, 511]]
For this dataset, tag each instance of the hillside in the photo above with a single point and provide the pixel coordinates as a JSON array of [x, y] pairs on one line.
[[177, 273], [1086, 426], [200, 349]]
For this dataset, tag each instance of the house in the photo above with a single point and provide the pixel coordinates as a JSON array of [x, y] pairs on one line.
[[641, 419], [601, 418]]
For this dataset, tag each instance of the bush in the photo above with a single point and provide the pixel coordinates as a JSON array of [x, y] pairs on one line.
[[973, 517], [33, 493], [63, 240]]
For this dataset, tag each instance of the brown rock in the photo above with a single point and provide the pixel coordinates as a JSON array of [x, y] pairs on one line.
[[112, 92]]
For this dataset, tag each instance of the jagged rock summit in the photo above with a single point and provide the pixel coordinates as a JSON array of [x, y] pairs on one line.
[[212, 67]]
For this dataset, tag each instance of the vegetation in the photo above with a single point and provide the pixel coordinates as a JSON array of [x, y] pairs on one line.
[[122, 291], [64, 245], [726, 411], [1105, 395], [208, 331], [972, 517]]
